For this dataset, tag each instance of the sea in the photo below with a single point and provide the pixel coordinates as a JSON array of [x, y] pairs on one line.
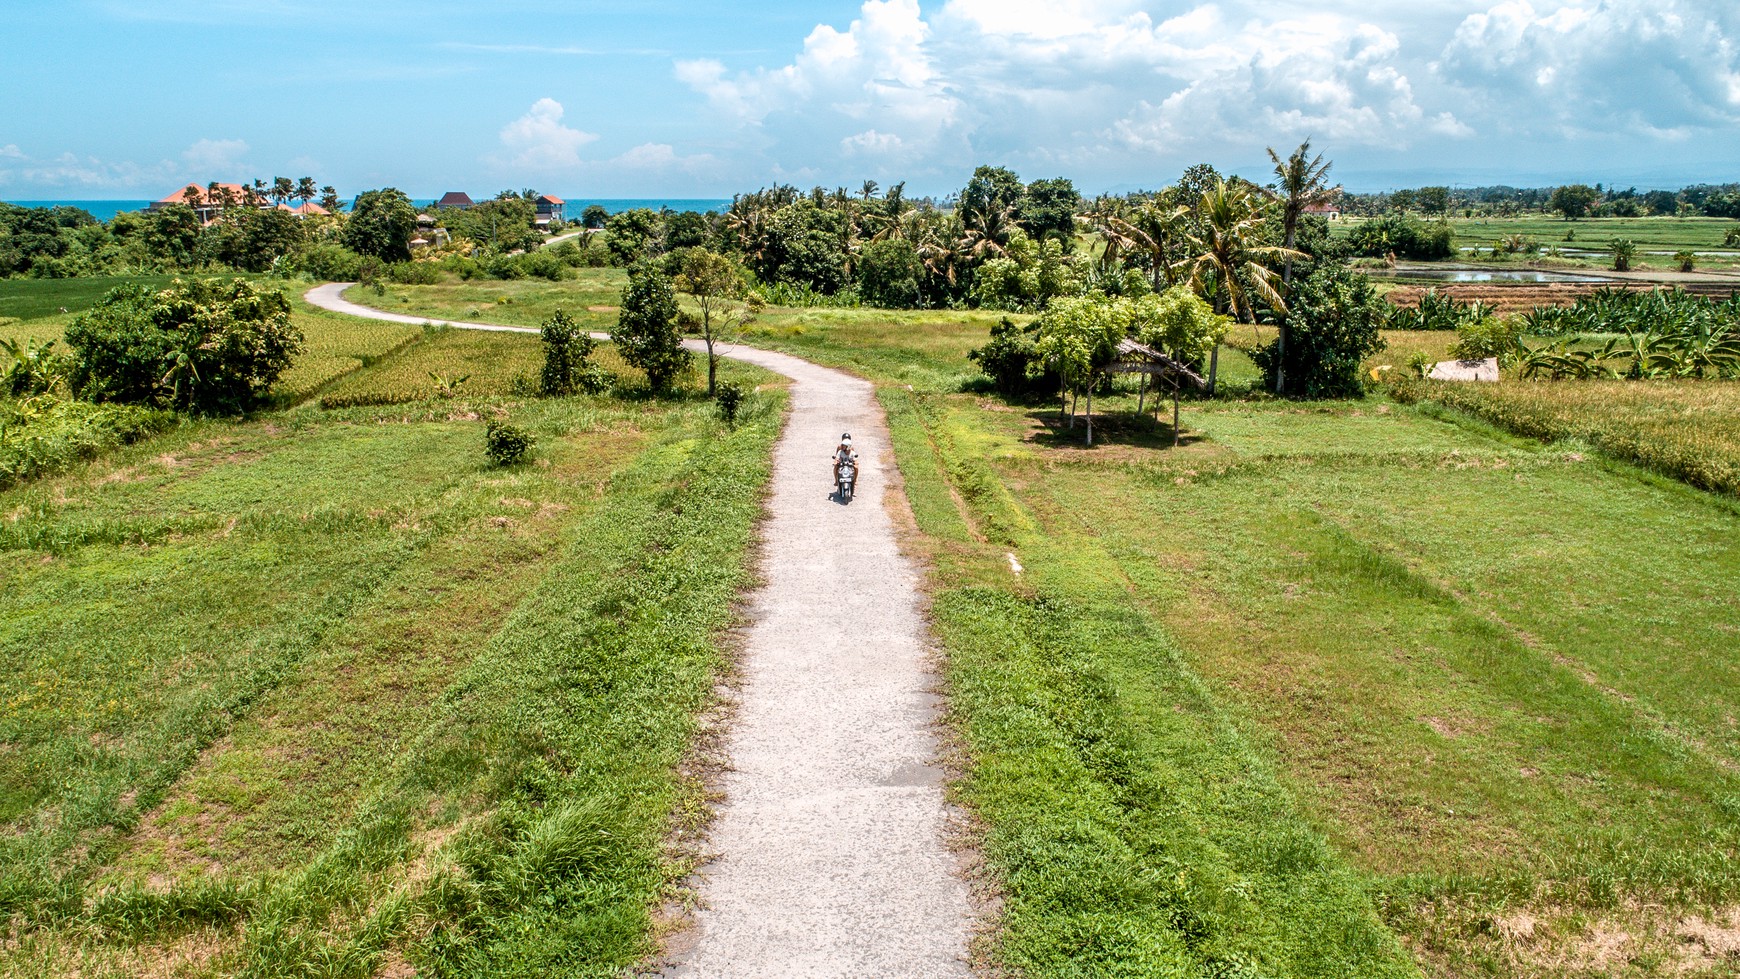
[[105, 210]]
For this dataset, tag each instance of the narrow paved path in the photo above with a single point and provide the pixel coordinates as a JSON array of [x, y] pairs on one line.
[[831, 842]]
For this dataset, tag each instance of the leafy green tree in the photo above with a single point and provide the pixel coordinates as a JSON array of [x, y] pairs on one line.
[[1433, 200], [1574, 200], [890, 274], [715, 285], [1333, 321], [1077, 337], [634, 235], [991, 189], [646, 328], [594, 217], [1196, 181], [1047, 209], [381, 225], [686, 229], [253, 240], [805, 244], [329, 199], [203, 346], [1179, 323], [1011, 360], [1029, 275]]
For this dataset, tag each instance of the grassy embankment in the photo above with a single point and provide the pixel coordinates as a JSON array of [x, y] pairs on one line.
[[1657, 239], [322, 693], [1335, 689]]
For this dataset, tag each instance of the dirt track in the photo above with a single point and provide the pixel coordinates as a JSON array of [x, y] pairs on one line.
[[831, 851]]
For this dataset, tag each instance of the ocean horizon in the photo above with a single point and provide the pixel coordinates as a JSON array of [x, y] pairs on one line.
[[105, 210]]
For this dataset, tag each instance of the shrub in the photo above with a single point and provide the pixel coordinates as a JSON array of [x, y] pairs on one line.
[[199, 346], [1687, 260], [1489, 336], [1624, 250], [646, 329], [567, 352], [730, 398], [1332, 325], [43, 434], [1011, 359], [28, 367], [1404, 236], [505, 444], [414, 273]]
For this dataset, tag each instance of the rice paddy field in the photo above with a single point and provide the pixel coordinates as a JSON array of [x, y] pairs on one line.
[[322, 692], [1361, 688], [1435, 684]]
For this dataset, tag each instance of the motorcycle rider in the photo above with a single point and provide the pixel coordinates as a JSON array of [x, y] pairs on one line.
[[842, 453]]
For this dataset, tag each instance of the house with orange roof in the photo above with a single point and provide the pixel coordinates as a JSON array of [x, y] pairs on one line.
[[207, 202], [549, 210]]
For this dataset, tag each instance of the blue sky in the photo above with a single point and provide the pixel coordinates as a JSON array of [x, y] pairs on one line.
[[608, 98]]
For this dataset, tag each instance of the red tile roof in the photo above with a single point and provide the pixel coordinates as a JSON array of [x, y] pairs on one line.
[[551, 198]]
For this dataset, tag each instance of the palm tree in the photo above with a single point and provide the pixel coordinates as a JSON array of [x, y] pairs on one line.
[[868, 190], [283, 188], [1302, 182], [305, 190], [1228, 257]]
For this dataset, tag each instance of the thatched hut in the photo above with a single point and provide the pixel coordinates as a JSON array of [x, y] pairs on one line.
[[1139, 358]]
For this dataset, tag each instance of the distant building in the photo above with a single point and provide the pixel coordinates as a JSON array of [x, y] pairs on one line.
[[455, 200], [549, 210], [1328, 212], [207, 202]]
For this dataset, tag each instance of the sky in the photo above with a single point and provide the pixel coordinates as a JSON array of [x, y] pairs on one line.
[[106, 99]]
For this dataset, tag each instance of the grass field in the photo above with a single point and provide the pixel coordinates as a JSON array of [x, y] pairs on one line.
[[323, 693], [1339, 689]]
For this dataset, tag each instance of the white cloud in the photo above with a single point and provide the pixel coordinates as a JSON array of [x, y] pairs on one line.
[[11, 152], [221, 158], [1657, 68], [659, 157], [871, 141], [539, 142]]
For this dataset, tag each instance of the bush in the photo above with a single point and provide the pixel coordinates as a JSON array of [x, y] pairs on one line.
[[414, 273], [1011, 361], [505, 444], [209, 347], [567, 368], [1404, 236], [1332, 325], [43, 435], [730, 398], [330, 262], [1489, 336]]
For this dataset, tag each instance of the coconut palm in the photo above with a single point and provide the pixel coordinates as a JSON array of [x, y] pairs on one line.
[[1301, 183], [1228, 260]]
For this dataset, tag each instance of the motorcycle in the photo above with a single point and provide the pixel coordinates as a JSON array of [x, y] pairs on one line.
[[848, 479]]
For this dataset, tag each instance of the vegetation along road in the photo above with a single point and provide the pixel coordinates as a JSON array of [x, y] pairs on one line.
[[831, 842]]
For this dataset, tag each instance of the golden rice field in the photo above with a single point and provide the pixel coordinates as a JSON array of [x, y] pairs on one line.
[[1689, 430]]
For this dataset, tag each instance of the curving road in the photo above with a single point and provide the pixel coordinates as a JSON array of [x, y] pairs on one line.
[[831, 858]]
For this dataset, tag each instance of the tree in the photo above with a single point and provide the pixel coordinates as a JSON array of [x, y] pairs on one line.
[[1230, 259], [1573, 200], [634, 235], [991, 189], [646, 328], [283, 188], [202, 346], [1047, 209], [1179, 323], [1434, 200], [593, 217], [890, 274], [1333, 322], [253, 240], [305, 190], [329, 199], [717, 288], [1301, 183], [1076, 338], [1624, 250], [381, 225]]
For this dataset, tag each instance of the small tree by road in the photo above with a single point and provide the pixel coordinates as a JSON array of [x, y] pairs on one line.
[[1077, 336], [716, 286]]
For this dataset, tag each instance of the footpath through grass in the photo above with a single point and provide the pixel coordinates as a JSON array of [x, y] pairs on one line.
[[324, 694], [1333, 689]]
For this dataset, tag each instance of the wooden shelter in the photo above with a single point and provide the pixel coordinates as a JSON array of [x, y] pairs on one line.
[[1138, 358]]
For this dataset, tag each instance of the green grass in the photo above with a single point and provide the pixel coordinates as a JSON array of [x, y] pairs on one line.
[[323, 692], [34, 299]]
